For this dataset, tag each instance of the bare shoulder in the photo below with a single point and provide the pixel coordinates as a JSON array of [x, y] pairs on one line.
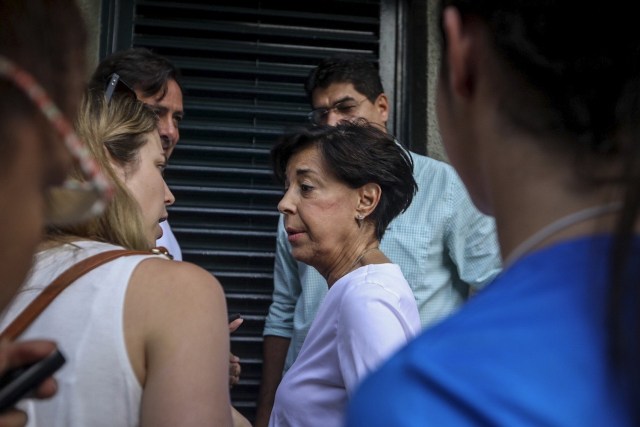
[[178, 342], [165, 286], [161, 273], [174, 301]]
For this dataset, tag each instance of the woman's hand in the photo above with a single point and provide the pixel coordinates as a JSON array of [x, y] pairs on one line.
[[17, 354]]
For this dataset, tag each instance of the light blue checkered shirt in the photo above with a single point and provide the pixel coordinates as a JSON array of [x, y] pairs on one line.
[[442, 243]]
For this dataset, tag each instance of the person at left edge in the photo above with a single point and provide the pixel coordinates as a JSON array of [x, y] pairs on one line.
[[42, 70]]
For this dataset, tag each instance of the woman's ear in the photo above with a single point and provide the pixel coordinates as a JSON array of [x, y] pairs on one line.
[[368, 198], [382, 106], [458, 55]]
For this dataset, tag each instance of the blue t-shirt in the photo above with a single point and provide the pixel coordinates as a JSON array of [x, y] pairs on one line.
[[529, 350]]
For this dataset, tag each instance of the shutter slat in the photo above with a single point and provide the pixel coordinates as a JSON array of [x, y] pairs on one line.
[[261, 50], [261, 29]]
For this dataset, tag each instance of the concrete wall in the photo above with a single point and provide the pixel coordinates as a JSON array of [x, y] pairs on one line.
[[434, 142], [91, 11]]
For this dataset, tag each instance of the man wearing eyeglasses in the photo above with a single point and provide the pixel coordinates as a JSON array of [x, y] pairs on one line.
[[442, 243], [155, 81]]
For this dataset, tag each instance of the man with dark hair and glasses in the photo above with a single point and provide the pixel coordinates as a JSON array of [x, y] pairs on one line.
[[156, 82], [442, 243]]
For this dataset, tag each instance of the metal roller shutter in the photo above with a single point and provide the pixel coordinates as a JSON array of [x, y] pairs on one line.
[[243, 64]]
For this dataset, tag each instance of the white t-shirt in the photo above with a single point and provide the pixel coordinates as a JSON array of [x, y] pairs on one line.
[[365, 317], [169, 241]]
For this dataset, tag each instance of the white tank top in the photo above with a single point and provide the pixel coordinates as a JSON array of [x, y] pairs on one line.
[[97, 385]]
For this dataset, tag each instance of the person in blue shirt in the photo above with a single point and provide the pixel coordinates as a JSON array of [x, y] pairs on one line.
[[538, 104], [442, 243]]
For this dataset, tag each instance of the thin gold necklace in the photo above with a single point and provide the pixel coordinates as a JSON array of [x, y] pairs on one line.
[[549, 230]]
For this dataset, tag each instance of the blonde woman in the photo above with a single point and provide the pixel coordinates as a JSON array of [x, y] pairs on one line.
[[146, 339]]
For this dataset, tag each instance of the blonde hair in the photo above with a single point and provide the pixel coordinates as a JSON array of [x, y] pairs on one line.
[[114, 132]]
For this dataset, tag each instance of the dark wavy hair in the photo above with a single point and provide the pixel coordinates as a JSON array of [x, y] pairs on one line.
[[573, 70], [357, 70], [356, 153], [139, 68]]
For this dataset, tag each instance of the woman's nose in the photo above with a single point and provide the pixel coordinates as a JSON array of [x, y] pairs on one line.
[[285, 206], [169, 199]]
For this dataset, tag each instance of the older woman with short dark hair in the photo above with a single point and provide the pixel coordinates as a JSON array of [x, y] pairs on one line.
[[344, 185]]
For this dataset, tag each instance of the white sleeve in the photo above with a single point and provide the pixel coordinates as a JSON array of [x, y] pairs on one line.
[[371, 327], [168, 240]]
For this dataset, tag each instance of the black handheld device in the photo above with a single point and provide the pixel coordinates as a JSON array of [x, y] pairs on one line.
[[19, 382]]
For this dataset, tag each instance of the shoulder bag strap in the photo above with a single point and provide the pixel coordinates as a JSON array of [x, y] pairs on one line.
[[60, 283]]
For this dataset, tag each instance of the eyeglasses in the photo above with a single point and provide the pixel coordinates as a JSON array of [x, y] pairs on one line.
[[73, 201], [117, 85], [346, 108]]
